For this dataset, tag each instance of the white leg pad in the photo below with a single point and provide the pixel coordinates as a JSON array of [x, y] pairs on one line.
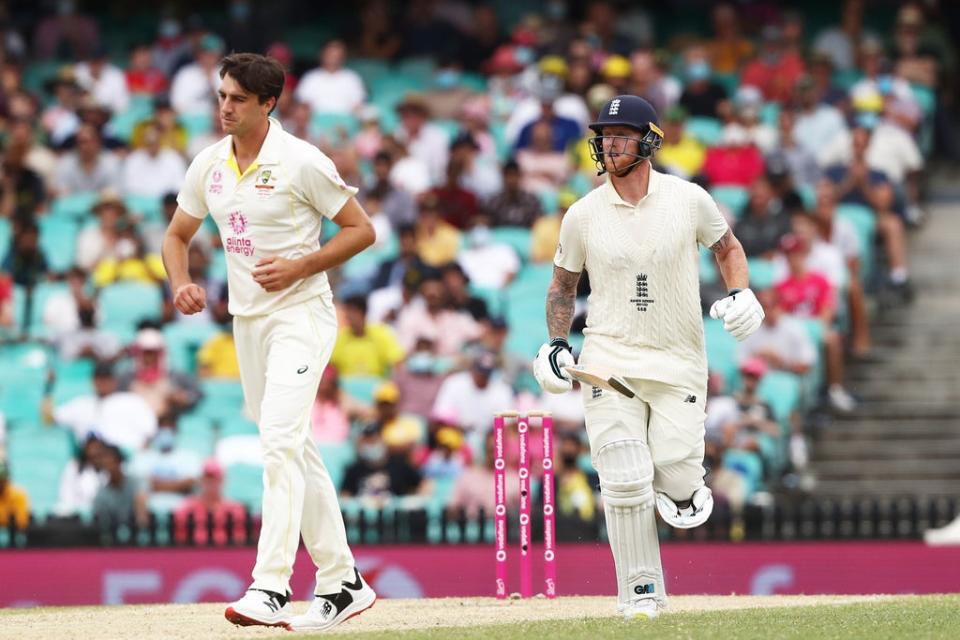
[[626, 484]]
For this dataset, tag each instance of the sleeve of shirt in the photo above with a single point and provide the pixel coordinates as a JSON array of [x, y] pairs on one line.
[[711, 225], [191, 197], [571, 253], [322, 187]]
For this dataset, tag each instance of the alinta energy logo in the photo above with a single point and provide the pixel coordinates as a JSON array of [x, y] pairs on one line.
[[235, 244]]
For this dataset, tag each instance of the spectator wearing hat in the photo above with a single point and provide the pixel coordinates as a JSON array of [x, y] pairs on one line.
[[545, 234], [400, 432], [195, 85], [753, 417], [153, 170], [212, 513], [782, 342], [14, 502], [169, 393], [377, 475], [475, 394], [431, 315], [479, 175], [728, 50], [104, 81], [438, 241], [701, 96], [681, 154], [514, 206], [425, 141], [116, 417], [89, 167], [776, 69], [543, 169], [330, 87], [808, 294], [764, 221], [362, 348]]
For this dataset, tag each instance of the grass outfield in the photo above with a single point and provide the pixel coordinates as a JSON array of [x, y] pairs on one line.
[[694, 617], [919, 617]]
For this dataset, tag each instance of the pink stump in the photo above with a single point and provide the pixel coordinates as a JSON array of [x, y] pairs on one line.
[[549, 528], [526, 559], [500, 508]]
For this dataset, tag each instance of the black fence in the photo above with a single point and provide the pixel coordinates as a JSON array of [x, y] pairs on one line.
[[787, 520]]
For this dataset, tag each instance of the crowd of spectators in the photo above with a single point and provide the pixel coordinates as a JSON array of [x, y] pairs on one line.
[[466, 133]]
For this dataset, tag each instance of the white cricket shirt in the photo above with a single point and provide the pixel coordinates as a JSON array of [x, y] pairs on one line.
[[275, 208], [644, 316]]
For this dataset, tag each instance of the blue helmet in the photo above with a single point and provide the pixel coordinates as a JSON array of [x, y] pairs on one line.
[[627, 111]]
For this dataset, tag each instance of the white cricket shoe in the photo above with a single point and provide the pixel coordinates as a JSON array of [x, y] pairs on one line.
[[944, 536], [260, 608], [646, 609], [327, 611]]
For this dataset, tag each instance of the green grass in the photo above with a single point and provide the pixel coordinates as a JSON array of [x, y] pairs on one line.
[[912, 618]]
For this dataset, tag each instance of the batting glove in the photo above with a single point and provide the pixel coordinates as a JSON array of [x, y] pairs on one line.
[[740, 311], [548, 367]]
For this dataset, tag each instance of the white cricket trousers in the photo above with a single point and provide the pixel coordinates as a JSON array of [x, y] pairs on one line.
[[282, 356]]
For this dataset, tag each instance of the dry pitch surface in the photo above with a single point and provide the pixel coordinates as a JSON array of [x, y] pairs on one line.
[[155, 622]]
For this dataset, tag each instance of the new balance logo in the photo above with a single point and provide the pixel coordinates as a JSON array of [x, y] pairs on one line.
[[691, 399], [644, 589], [356, 585], [596, 391], [271, 604], [303, 369], [614, 108]]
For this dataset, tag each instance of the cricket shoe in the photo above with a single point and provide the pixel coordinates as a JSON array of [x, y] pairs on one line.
[[327, 611], [260, 608], [646, 609]]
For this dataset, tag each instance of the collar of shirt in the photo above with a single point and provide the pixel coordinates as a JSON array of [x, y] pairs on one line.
[[269, 151], [652, 187]]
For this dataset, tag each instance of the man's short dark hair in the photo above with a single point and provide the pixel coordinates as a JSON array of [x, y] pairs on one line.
[[260, 75], [357, 302]]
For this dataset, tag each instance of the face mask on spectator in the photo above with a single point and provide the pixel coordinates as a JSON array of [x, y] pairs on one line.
[[447, 79], [699, 70], [126, 248], [480, 236], [421, 363], [372, 452]]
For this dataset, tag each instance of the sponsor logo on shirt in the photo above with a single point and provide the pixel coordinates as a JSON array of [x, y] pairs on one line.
[[642, 299], [234, 243], [265, 183], [216, 187]]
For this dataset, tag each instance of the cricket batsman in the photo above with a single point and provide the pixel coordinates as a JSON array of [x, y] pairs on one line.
[[637, 236], [268, 193]]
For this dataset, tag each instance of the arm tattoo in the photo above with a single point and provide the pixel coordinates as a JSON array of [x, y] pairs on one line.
[[560, 301], [725, 240]]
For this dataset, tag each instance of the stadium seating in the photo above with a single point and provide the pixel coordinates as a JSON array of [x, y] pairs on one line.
[[124, 304], [706, 130], [58, 241], [244, 483], [38, 456], [733, 198]]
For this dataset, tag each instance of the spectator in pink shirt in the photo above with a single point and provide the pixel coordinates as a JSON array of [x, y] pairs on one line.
[[776, 70], [333, 410], [735, 161], [451, 330], [808, 294], [210, 504]]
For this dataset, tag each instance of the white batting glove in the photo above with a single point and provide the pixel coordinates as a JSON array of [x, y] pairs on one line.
[[740, 311], [548, 367]]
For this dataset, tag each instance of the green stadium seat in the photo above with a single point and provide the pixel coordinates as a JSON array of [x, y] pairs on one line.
[[244, 483], [149, 207], [74, 205], [184, 340], [721, 352], [370, 69], [450, 127], [709, 272], [729, 81], [420, 69], [748, 465], [865, 222], [23, 375], [706, 130], [360, 388], [222, 399], [238, 425], [74, 378], [808, 195], [196, 124], [762, 273], [217, 270], [516, 237], [336, 458], [549, 200], [770, 114], [334, 125], [493, 298], [781, 390], [6, 233], [365, 264], [733, 198], [124, 304], [844, 79], [58, 242], [474, 82], [38, 456]]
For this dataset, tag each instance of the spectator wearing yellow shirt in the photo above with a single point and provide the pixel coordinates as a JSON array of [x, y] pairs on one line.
[[364, 349], [681, 154], [217, 357], [437, 241], [130, 262], [14, 504], [546, 230]]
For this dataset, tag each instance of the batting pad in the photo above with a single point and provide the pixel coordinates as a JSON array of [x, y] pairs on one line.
[[626, 484]]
